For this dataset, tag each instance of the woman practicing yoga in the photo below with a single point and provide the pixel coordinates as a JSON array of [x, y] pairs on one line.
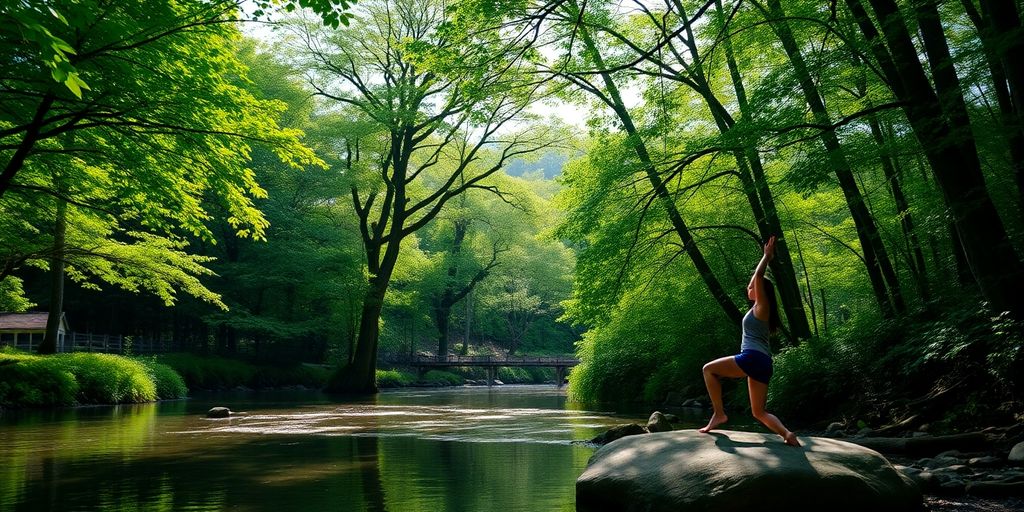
[[754, 360]]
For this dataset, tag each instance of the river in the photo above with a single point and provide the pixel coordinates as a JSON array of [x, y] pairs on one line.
[[507, 448]]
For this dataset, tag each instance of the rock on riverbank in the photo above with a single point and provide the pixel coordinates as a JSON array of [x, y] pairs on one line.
[[740, 471]]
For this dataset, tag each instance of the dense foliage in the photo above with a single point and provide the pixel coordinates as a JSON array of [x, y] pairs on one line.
[[369, 182]]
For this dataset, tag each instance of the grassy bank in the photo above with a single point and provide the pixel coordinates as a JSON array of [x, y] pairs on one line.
[[28, 380]]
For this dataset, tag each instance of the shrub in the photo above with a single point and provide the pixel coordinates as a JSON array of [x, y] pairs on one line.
[[297, 374], [209, 372], [514, 375], [394, 379], [35, 381], [108, 379], [441, 377], [169, 384]]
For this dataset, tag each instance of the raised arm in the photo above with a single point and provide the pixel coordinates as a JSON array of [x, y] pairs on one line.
[[757, 284]]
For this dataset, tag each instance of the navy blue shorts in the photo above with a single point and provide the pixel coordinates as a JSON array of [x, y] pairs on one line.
[[756, 364]]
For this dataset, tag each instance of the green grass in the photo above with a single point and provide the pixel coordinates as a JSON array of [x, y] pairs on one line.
[[394, 379], [29, 380], [108, 379]]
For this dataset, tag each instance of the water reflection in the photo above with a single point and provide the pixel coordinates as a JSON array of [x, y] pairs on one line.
[[465, 449]]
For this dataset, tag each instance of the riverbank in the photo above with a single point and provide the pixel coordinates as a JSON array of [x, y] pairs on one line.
[[72, 379], [62, 380], [29, 380]]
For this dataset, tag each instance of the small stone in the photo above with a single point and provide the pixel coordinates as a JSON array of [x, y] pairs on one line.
[[995, 489], [954, 469], [942, 461], [864, 432], [952, 487], [924, 428], [911, 472], [672, 418], [835, 426], [985, 462], [498, 382], [693, 403], [1017, 454], [658, 423], [218, 412]]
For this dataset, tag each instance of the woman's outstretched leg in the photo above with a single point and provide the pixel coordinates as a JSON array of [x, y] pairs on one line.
[[713, 371], [758, 400]]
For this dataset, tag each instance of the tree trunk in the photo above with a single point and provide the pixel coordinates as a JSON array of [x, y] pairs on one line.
[[950, 149], [782, 265], [892, 178], [359, 376], [880, 270], [996, 56], [49, 344], [442, 317]]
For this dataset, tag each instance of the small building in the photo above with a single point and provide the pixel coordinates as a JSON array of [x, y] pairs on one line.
[[26, 330]]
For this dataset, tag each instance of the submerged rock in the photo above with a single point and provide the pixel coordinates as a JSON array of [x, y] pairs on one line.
[[618, 432], [740, 471], [218, 412]]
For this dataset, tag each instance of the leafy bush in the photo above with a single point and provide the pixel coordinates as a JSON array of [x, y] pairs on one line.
[[296, 374], [513, 375], [108, 379], [394, 379], [202, 372], [35, 381], [441, 377], [169, 384], [212, 372]]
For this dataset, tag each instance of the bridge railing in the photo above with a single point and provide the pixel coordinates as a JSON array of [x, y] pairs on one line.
[[460, 360]]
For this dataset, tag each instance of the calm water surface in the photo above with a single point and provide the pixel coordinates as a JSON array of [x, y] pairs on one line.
[[458, 449]]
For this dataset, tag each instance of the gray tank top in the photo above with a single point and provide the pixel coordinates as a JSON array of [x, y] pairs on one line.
[[755, 334]]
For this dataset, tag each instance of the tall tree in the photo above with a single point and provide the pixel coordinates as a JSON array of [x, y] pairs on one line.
[[439, 120], [942, 126], [879, 266]]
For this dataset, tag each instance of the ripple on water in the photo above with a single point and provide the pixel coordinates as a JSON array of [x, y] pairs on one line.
[[437, 422]]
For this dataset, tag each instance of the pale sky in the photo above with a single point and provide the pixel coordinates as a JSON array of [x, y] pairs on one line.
[[572, 114]]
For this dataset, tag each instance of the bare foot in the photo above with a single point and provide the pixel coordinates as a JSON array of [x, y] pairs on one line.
[[715, 421], [791, 439]]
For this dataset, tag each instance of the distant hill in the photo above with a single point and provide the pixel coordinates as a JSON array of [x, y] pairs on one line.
[[551, 163]]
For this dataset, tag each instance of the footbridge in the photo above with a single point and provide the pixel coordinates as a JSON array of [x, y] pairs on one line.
[[491, 363]]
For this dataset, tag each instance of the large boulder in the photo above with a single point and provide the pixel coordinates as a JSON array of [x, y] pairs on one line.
[[728, 471]]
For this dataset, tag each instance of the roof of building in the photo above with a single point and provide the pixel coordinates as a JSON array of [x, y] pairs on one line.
[[31, 321]]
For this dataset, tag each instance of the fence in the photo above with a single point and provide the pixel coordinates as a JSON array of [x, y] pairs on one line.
[[116, 344], [89, 342]]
